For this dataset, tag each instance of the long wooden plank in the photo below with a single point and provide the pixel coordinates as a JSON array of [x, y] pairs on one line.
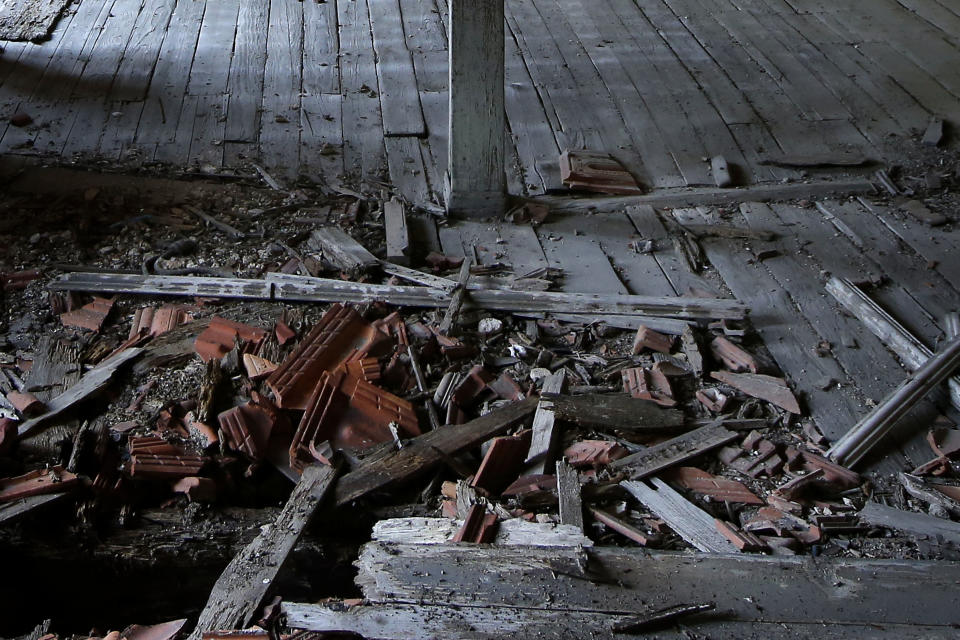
[[245, 81], [399, 97], [692, 523], [425, 452], [584, 265], [674, 451], [243, 586], [282, 90], [809, 589]]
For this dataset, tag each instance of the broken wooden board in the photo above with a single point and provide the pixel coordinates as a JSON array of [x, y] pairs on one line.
[[512, 532], [239, 593], [91, 383], [425, 452], [290, 288], [342, 250], [674, 451], [568, 492], [692, 523], [769, 388], [616, 580], [29, 19], [918, 524], [544, 437], [397, 233], [616, 412]]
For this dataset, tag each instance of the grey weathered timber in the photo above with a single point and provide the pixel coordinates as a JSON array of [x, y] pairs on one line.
[[544, 437], [425, 452], [927, 491], [511, 532], [692, 523], [241, 589], [669, 198], [866, 434], [674, 451], [92, 382], [29, 19], [808, 589], [475, 183], [398, 235], [908, 348], [291, 288], [616, 412], [399, 97], [342, 250], [568, 492], [919, 524], [457, 298]]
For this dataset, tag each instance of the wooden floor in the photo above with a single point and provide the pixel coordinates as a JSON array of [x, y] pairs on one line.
[[790, 308], [356, 89]]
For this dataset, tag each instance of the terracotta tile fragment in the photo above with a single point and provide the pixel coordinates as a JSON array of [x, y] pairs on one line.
[[283, 332], [648, 384], [257, 368], [162, 631], [8, 435], [155, 322], [945, 442], [712, 398], [89, 316], [625, 529], [221, 335], [526, 485], [473, 386], [152, 465], [26, 403], [742, 540], [716, 487], [478, 527], [196, 489], [769, 388], [247, 428], [732, 356], [506, 388], [594, 453], [38, 482], [647, 338], [18, 279], [597, 172], [340, 337], [502, 463]]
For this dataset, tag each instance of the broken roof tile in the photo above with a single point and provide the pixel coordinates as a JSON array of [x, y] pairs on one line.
[[502, 463], [478, 527], [340, 337], [196, 489], [506, 388], [525, 485], [153, 465], [712, 398], [594, 453], [89, 316], [26, 403], [732, 356], [945, 442], [647, 338], [11, 281], [472, 387], [221, 335], [625, 529], [246, 428], [648, 384], [157, 321], [283, 332], [38, 482], [596, 171], [717, 487], [257, 368], [769, 388], [742, 540]]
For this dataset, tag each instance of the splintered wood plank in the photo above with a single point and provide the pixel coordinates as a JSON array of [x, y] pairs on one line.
[[568, 491], [871, 368], [282, 88], [160, 117], [245, 81], [706, 122], [321, 136], [649, 226], [364, 154], [26, 66], [530, 126], [504, 243], [789, 339], [545, 432], [671, 452], [399, 97], [779, 113], [436, 108], [564, 75], [692, 523], [407, 171], [918, 296], [938, 246], [424, 453], [321, 43], [243, 586], [584, 264], [607, 42], [640, 272]]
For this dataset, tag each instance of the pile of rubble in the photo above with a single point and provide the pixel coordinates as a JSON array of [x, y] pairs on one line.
[[484, 425]]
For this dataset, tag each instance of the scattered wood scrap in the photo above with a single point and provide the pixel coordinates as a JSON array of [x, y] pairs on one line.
[[674, 451], [242, 588], [919, 524]]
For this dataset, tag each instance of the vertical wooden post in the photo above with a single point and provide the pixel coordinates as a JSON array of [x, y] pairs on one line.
[[475, 184]]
